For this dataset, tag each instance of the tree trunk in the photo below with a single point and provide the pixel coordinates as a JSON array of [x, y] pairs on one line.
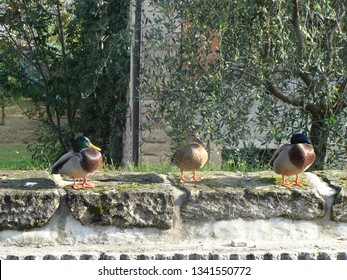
[[69, 110], [319, 135], [2, 112], [2, 116]]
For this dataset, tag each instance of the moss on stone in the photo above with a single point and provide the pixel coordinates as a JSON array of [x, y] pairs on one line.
[[273, 180], [121, 187], [98, 211]]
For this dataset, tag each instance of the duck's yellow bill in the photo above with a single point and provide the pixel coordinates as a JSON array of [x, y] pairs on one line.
[[94, 147]]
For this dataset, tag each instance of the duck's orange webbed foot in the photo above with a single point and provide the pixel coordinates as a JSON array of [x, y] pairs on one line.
[[184, 180], [285, 184], [77, 186], [195, 179], [87, 184], [297, 182]]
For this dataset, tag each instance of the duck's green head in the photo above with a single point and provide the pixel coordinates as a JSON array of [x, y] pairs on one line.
[[300, 138], [81, 143]]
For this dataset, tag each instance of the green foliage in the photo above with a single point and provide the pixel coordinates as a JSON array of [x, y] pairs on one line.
[[46, 149], [162, 168], [246, 159], [278, 68], [72, 60], [102, 72]]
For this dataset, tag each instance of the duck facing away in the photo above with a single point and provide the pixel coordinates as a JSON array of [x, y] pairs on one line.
[[294, 158], [190, 157], [83, 160]]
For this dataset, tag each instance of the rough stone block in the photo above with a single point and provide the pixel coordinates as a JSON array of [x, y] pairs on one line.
[[213, 256], [338, 180], [269, 256], [156, 136], [133, 177], [12, 257], [160, 257], [145, 257], [94, 256], [225, 196], [341, 256], [234, 257], [324, 256], [197, 256], [109, 256], [69, 257], [124, 257], [51, 257], [31, 257], [178, 256], [152, 159], [27, 199], [251, 257], [306, 256], [142, 202], [288, 256]]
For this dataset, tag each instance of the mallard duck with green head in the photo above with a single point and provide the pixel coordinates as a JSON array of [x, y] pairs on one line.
[[84, 159], [293, 158], [191, 157]]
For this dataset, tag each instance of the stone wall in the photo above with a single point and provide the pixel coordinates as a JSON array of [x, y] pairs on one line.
[[155, 144], [128, 212]]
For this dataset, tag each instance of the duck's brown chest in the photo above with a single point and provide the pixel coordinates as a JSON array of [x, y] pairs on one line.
[[91, 160], [302, 155], [191, 157]]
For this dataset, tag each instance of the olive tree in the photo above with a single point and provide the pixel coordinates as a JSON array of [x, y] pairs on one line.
[[251, 70]]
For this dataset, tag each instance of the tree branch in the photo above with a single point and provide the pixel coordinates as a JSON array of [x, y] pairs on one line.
[[307, 81], [305, 77], [297, 30], [330, 37], [341, 102], [18, 47], [63, 53], [278, 93], [275, 91]]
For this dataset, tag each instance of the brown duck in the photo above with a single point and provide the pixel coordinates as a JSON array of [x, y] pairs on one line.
[[294, 158], [83, 160], [190, 157]]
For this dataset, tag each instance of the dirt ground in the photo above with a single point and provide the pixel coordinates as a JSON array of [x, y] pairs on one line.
[[18, 129]]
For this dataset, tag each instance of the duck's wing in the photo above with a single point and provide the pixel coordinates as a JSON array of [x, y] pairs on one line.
[[177, 156], [62, 161], [277, 152], [182, 155]]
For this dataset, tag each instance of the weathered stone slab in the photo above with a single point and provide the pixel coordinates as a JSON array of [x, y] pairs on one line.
[[338, 180], [225, 196], [126, 200], [143, 178], [28, 199]]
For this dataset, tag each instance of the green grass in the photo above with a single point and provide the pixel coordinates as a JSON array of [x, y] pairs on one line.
[[17, 157], [166, 167], [14, 156], [161, 168]]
